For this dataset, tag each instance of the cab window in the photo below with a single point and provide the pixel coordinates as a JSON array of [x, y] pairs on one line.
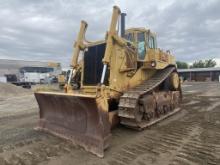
[[141, 45], [129, 37], [152, 43]]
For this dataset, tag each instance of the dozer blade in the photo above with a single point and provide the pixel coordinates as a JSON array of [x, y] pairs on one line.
[[76, 117]]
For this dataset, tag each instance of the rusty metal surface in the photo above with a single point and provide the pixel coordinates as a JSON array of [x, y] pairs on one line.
[[135, 106], [75, 118]]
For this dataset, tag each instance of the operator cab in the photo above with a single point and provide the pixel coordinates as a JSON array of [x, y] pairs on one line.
[[143, 39]]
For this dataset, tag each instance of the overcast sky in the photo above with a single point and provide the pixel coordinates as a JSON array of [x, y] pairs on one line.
[[46, 29]]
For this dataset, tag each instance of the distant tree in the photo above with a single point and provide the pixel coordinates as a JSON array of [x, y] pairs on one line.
[[204, 64], [182, 65], [210, 63], [198, 64]]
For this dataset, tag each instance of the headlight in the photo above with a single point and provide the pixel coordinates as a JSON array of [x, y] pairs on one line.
[[153, 63]]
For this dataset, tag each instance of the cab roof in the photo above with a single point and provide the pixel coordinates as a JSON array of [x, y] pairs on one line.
[[140, 29]]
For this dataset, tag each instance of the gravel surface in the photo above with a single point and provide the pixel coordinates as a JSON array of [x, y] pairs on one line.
[[9, 90], [189, 137]]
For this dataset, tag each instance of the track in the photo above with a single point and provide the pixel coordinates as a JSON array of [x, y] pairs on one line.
[[129, 101]]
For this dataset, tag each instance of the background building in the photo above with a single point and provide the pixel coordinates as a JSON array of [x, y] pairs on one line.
[[200, 74], [19, 70]]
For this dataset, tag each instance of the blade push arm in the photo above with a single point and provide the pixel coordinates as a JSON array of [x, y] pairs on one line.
[[111, 33], [109, 42], [79, 44]]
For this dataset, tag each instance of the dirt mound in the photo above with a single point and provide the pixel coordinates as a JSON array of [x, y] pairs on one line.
[[10, 90]]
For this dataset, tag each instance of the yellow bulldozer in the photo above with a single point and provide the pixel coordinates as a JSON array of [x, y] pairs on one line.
[[124, 79]]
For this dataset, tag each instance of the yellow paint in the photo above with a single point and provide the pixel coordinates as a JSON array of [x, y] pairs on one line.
[[127, 70]]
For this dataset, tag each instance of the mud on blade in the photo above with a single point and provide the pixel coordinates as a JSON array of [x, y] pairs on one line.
[[75, 117]]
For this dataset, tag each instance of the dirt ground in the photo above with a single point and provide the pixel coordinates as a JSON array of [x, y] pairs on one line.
[[9, 90], [189, 137]]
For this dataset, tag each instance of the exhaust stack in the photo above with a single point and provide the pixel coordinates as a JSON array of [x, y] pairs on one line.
[[123, 24]]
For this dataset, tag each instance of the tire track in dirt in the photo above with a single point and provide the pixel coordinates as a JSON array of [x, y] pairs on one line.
[[190, 138], [180, 143], [36, 150]]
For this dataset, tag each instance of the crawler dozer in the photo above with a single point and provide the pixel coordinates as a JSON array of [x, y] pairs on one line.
[[122, 79]]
